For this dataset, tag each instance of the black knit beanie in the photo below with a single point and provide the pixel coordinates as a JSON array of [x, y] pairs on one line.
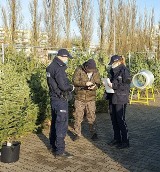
[[90, 65]]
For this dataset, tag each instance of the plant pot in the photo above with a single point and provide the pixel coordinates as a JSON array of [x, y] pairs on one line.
[[10, 153]]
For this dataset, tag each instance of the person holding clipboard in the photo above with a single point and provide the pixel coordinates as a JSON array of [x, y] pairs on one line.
[[117, 88]]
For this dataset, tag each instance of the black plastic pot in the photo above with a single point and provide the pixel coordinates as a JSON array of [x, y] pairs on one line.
[[10, 153]]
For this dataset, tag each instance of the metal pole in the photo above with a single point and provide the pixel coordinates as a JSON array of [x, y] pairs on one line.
[[129, 57]]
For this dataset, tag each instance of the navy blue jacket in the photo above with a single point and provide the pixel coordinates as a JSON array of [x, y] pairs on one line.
[[57, 80], [121, 79]]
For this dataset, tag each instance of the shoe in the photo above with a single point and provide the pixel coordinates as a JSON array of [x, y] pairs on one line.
[[52, 151], [76, 137], [52, 148], [94, 137], [123, 146], [114, 143], [64, 155]]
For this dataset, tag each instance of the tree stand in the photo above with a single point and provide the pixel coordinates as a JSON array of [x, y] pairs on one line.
[[142, 99]]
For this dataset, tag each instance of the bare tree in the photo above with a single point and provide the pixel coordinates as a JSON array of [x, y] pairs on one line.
[[121, 28], [110, 26], [36, 20], [158, 42], [12, 19], [102, 22], [133, 32], [46, 15], [83, 15], [52, 22], [132, 24], [5, 25], [68, 16], [4, 18], [151, 27]]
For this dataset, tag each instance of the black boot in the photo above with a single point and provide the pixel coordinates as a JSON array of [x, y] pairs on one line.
[[123, 145], [76, 138], [114, 143], [92, 129], [94, 137]]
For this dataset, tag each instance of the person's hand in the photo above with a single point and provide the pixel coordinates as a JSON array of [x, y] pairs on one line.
[[89, 83], [92, 87], [73, 88]]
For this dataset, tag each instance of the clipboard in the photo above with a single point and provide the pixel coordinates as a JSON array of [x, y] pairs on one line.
[[107, 88]]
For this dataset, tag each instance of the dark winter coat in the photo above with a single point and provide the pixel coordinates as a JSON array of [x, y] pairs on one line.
[[80, 78], [121, 79], [57, 80]]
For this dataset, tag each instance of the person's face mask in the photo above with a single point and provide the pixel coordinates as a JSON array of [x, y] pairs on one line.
[[114, 65], [66, 62]]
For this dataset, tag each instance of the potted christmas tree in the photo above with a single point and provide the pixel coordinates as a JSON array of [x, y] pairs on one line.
[[18, 113]]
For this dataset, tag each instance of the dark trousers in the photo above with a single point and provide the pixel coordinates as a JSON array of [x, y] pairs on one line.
[[117, 112], [59, 125]]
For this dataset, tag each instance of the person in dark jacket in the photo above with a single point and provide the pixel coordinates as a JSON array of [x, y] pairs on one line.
[[59, 87], [120, 83], [86, 80]]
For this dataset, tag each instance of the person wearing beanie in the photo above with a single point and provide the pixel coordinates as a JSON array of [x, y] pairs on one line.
[[86, 80]]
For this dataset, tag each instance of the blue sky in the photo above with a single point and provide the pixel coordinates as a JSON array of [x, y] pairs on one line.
[[149, 4], [141, 4]]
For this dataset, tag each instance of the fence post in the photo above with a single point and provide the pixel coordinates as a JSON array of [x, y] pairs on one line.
[[129, 57]]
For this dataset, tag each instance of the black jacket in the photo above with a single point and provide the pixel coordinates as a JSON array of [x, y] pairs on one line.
[[57, 80], [121, 79]]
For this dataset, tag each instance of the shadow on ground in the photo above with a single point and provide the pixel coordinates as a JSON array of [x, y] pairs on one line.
[[144, 132], [143, 155]]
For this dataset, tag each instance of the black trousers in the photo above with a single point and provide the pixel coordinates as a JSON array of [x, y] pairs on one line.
[[117, 112], [59, 125]]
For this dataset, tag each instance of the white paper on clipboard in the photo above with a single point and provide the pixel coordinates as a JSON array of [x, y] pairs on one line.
[[107, 88]]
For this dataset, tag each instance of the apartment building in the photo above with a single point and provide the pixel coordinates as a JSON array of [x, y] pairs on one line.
[[23, 40]]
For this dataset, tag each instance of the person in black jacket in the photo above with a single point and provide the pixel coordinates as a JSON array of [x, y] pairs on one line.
[[59, 89], [120, 83]]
